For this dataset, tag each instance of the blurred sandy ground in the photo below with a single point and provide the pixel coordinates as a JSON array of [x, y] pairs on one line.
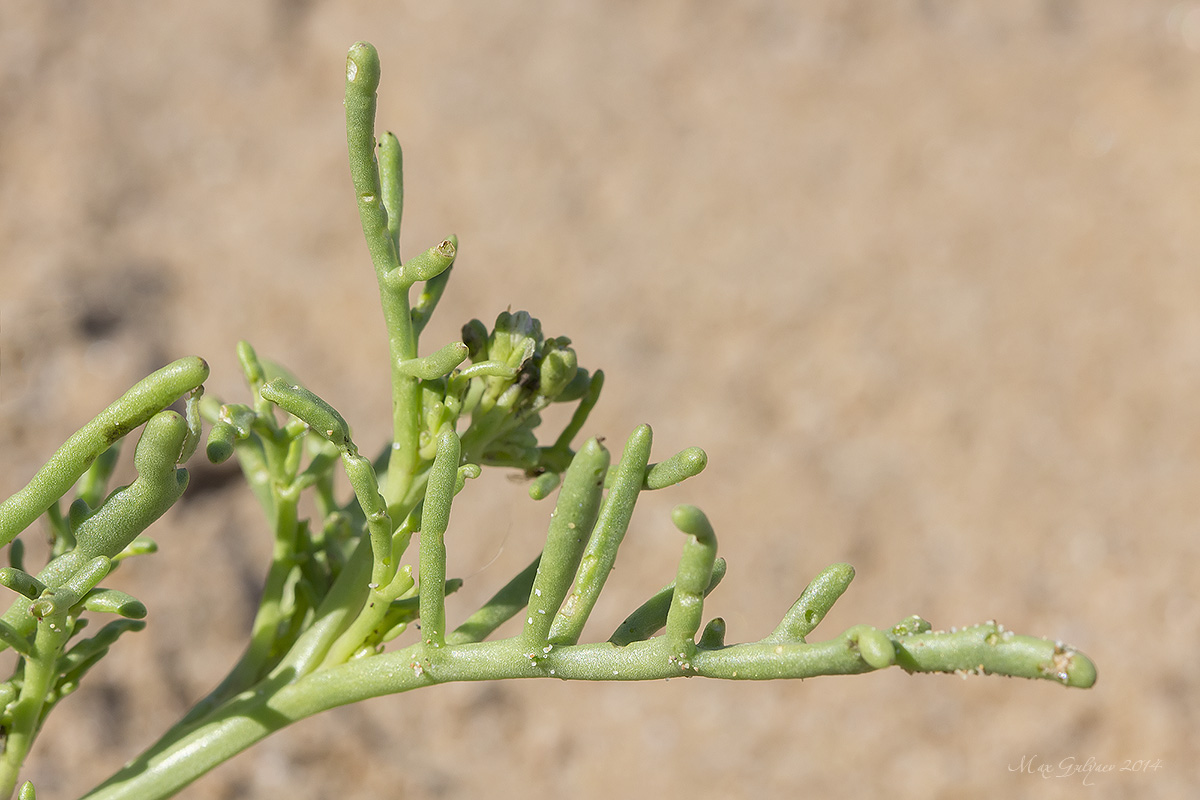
[[920, 276]]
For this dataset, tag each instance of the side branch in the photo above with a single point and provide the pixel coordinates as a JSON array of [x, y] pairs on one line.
[[173, 763], [145, 399], [983, 649]]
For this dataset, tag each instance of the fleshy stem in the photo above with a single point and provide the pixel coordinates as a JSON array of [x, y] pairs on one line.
[[146, 398], [601, 551], [56, 621], [435, 518], [125, 514], [173, 764], [380, 204], [40, 674]]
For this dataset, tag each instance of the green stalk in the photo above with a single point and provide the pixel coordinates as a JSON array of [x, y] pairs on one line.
[[125, 513], [391, 175], [362, 82], [649, 618], [264, 630], [435, 519], [146, 398], [691, 579], [26, 712], [570, 525], [601, 552], [174, 763], [814, 603]]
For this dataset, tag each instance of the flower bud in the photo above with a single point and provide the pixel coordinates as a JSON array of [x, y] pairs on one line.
[[557, 370], [475, 337]]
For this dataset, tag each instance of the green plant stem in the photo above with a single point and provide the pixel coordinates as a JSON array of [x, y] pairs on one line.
[[649, 618], [26, 713], [177, 761], [125, 514], [814, 603], [435, 519], [601, 551], [265, 629], [362, 82], [283, 499], [572, 520], [691, 580], [146, 398], [391, 175], [374, 610]]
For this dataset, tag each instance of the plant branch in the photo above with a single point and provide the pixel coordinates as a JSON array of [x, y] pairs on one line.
[[986, 648], [146, 398]]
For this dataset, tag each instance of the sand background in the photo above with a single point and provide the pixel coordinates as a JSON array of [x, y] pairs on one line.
[[920, 277]]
